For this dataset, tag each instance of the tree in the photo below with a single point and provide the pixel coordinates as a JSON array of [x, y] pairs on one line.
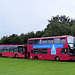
[[31, 34], [15, 39], [5, 40], [73, 29], [39, 34], [58, 25]]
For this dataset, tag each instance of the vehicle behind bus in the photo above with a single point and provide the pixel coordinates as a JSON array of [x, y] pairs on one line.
[[17, 51]]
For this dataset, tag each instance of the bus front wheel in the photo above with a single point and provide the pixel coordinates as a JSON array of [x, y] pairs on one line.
[[57, 58]]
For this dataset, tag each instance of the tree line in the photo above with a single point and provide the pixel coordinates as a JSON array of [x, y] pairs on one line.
[[57, 26]]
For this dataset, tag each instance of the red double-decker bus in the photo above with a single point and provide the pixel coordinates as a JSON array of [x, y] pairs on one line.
[[17, 51], [51, 48]]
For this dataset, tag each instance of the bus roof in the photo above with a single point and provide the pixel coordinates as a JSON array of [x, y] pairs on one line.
[[50, 37]]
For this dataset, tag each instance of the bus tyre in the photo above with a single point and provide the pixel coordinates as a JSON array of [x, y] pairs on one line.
[[57, 58], [16, 56], [0, 55], [35, 58]]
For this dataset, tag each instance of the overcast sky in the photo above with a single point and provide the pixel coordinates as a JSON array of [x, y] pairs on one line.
[[23, 16]]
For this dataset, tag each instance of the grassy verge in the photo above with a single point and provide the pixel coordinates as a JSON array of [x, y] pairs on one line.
[[12, 66]]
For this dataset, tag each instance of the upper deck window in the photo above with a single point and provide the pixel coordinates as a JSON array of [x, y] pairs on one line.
[[57, 40], [30, 42], [44, 41], [35, 42], [63, 40], [50, 41], [40, 41]]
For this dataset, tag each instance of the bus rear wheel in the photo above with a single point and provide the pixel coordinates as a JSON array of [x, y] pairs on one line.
[[57, 58], [0, 55], [35, 58], [16, 56]]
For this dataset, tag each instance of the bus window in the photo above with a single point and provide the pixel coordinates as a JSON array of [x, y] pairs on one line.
[[44, 51], [35, 51], [30, 42], [16, 49], [63, 40], [5, 49], [20, 49], [31, 51], [70, 41], [65, 51], [39, 51], [50, 41], [35, 42], [57, 40], [0, 49], [44, 41], [40, 41], [11, 49]]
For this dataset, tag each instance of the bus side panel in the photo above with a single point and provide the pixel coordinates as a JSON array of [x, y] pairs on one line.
[[20, 55], [4, 54], [42, 56], [64, 57]]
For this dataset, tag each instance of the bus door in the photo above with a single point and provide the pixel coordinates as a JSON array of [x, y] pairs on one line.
[[21, 51], [28, 54]]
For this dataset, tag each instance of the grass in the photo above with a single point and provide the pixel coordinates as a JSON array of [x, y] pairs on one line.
[[13, 66]]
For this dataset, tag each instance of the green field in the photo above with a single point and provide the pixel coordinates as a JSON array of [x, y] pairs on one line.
[[13, 66]]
